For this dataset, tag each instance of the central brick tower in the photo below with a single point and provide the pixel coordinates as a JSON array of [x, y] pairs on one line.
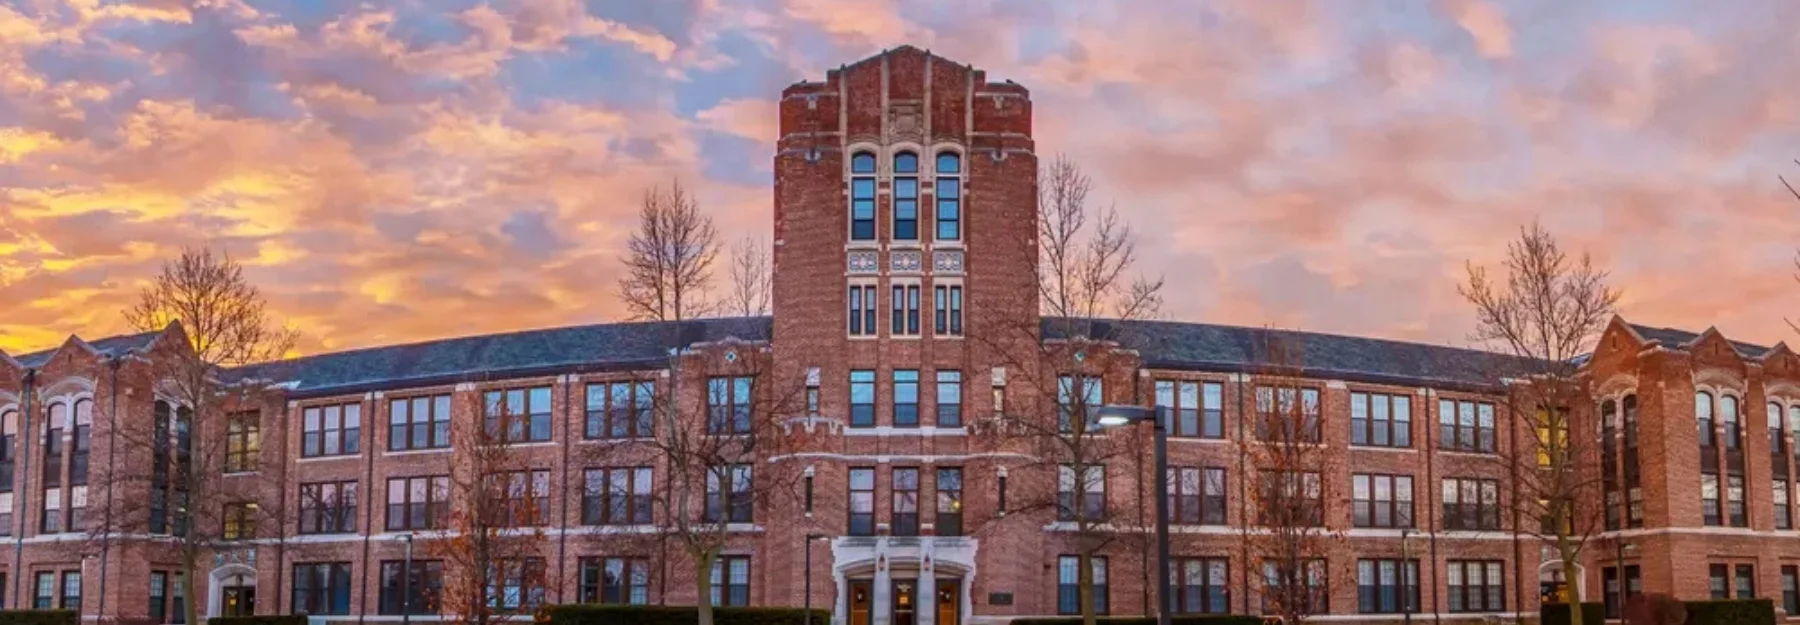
[[905, 261]]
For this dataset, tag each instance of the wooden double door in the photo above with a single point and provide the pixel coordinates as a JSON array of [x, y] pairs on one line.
[[904, 602]]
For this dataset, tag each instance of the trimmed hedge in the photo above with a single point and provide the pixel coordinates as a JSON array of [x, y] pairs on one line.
[[678, 615], [274, 619], [1558, 614], [1179, 619], [1731, 612], [38, 617]]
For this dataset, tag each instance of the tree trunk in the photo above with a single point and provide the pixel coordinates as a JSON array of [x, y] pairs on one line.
[[1084, 587], [703, 584], [1571, 583], [191, 607]]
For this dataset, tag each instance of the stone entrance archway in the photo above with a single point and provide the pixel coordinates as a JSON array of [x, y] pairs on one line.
[[231, 591]]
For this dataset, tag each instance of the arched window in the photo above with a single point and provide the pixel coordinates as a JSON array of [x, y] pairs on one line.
[[1777, 434], [949, 196], [9, 440], [862, 197], [1630, 409], [906, 196], [84, 435], [1703, 416], [1728, 417]]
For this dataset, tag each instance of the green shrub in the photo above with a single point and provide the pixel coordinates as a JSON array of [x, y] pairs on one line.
[[1180, 619], [1731, 612], [38, 617], [678, 615], [1558, 614], [282, 619]]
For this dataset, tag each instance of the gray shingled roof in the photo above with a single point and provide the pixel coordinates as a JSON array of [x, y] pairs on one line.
[[109, 346], [512, 354], [1207, 347], [1671, 337]]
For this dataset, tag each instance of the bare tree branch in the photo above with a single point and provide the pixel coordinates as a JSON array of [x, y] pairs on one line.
[[670, 257], [750, 277]]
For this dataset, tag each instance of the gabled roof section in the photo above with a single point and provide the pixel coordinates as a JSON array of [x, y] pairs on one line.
[[1207, 347], [1682, 339], [905, 48], [111, 346], [498, 356]]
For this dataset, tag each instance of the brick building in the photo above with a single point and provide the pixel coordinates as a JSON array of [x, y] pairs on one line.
[[906, 318]]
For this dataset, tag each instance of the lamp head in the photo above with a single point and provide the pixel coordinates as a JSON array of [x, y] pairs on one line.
[[1112, 420]]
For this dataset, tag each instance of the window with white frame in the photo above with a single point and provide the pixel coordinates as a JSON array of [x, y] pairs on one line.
[[906, 196], [905, 304], [948, 192], [948, 320], [862, 302], [862, 196]]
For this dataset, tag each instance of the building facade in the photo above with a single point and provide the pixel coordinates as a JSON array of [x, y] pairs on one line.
[[906, 323]]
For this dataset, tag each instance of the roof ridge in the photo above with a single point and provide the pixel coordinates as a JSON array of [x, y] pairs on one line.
[[493, 335], [1308, 332]]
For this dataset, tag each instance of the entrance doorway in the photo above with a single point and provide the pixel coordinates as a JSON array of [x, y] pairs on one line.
[[949, 602], [859, 600], [905, 602]]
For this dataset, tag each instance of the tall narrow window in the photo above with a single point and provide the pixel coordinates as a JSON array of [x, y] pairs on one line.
[[906, 196], [159, 596], [71, 591], [83, 443], [728, 399], [906, 398], [54, 443], [862, 310], [906, 502], [243, 441], [1734, 501], [1777, 437], [331, 430], [1746, 581], [52, 520], [1728, 417], [949, 399], [905, 301], [862, 399], [949, 502], [1718, 582], [9, 440], [862, 197], [949, 196], [1783, 515], [948, 320], [43, 595], [1790, 589], [862, 502], [1703, 417], [1709, 499]]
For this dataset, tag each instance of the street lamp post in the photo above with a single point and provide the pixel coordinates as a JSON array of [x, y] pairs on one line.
[[808, 576], [1113, 416], [406, 587]]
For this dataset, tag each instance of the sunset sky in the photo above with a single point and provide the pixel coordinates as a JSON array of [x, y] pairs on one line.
[[395, 171]]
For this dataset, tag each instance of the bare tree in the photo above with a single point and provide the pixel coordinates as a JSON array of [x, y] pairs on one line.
[[1087, 286], [492, 547], [670, 258], [226, 324], [1546, 313], [750, 277], [712, 426], [1291, 538]]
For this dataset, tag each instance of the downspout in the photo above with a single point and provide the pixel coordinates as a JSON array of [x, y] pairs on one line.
[[1243, 488], [1144, 556], [281, 505], [562, 541], [371, 401], [112, 428], [19, 483], [1430, 443], [1512, 478]]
